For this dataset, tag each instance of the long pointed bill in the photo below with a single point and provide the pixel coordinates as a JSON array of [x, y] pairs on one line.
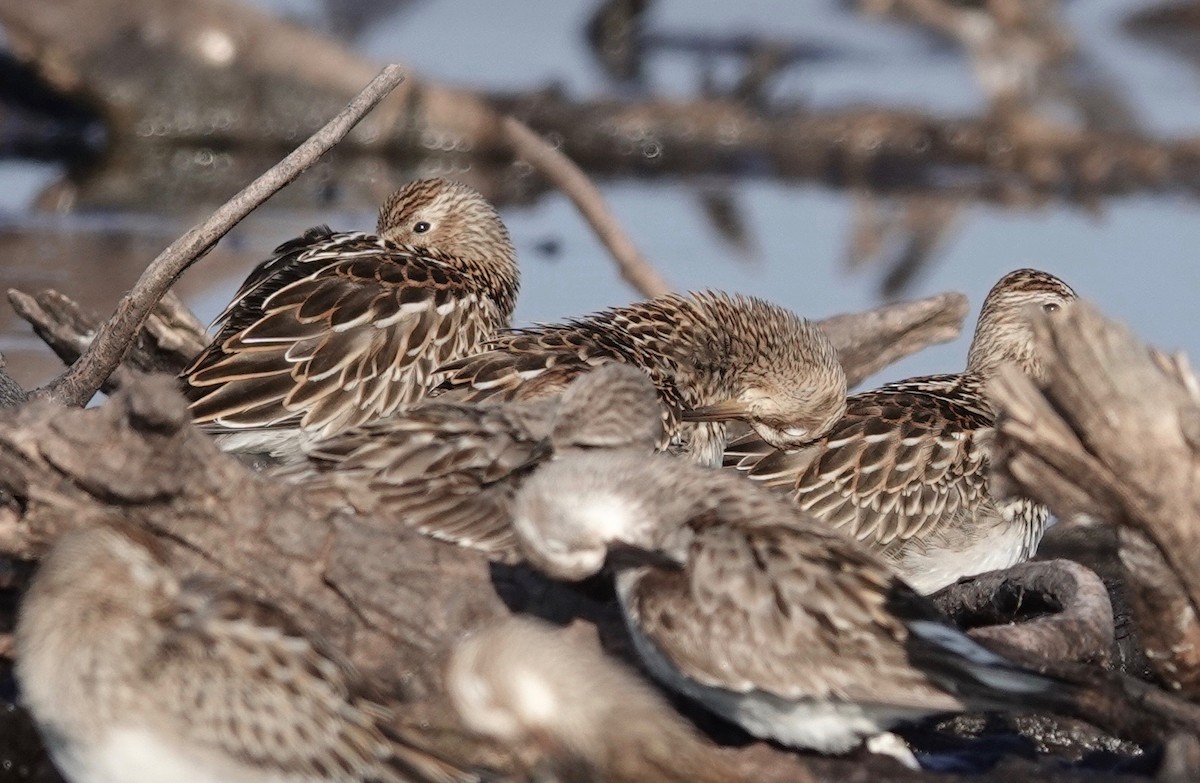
[[722, 411], [622, 555]]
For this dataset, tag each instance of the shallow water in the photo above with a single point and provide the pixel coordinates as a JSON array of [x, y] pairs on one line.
[[1135, 256]]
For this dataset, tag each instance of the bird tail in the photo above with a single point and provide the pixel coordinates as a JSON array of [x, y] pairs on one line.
[[962, 666]]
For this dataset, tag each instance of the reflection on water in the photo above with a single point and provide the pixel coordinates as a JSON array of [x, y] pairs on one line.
[[1134, 256]]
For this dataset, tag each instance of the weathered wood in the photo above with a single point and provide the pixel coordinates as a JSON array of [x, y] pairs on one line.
[[1055, 609], [1168, 629], [871, 340], [1114, 434], [170, 338], [11, 393]]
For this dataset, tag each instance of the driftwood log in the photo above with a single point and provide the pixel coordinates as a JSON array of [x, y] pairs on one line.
[[1054, 609], [392, 600], [157, 70], [1114, 435]]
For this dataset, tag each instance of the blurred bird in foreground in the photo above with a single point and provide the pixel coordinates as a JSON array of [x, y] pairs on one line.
[[136, 676]]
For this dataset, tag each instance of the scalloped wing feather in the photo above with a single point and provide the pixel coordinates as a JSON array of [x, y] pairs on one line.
[[358, 336], [905, 461], [451, 469]]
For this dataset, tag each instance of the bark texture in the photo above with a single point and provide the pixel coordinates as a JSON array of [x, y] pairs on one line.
[[1114, 435]]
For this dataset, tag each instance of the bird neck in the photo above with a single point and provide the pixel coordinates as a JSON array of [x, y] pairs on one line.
[[999, 340]]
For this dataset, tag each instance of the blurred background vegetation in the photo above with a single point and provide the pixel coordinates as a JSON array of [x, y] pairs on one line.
[[827, 155]]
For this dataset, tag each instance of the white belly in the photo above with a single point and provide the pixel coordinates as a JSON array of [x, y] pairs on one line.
[[129, 755], [930, 569], [823, 725]]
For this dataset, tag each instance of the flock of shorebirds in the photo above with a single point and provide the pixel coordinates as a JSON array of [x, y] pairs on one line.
[[770, 537]]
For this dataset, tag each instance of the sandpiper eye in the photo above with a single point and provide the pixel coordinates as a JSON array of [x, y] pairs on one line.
[[421, 227], [1050, 307]]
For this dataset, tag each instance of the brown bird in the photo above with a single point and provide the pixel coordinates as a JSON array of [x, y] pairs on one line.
[[588, 718], [450, 470], [713, 358], [905, 470], [740, 601], [338, 329], [135, 675]]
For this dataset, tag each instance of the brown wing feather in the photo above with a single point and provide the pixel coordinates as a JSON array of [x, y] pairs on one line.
[[448, 470], [540, 361], [795, 614], [349, 329], [905, 460]]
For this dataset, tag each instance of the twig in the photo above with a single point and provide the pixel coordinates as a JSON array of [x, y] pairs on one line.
[[81, 380], [571, 180], [167, 341]]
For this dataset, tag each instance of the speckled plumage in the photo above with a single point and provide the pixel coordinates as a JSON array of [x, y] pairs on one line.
[[713, 358], [584, 715], [905, 471], [338, 329], [450, 469], [137, 676], [739, 600]]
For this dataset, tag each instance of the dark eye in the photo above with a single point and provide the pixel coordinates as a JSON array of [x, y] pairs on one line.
[[421, 227], [1050, 307]]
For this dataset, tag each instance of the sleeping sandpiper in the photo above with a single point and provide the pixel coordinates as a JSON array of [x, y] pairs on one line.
[[713, 357], [739, 600], [338, 329], [905, 471], [137, 676]]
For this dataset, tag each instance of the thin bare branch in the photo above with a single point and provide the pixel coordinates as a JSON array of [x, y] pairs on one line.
[[570, 179], [114, 338]]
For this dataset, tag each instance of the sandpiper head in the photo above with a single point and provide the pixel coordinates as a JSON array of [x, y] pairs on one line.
[[519, 680], [447, 216], [613, 406], [1004, 332], [524, 683], [787, 384], [570, 512]]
